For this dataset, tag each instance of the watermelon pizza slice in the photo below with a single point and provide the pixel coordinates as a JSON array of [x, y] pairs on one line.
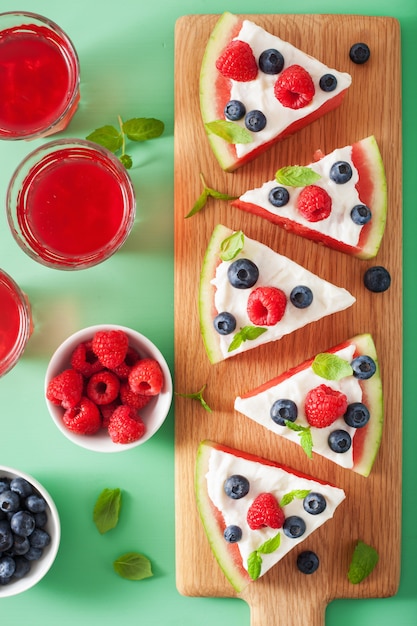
[[255, 511], [339, 200], [250, 295], [256, 89], [332, 404]]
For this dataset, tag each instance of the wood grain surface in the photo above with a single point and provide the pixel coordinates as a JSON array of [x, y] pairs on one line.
[[372, 509]]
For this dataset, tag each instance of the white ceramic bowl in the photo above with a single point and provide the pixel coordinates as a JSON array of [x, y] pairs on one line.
[[153, 414], [40, 567]]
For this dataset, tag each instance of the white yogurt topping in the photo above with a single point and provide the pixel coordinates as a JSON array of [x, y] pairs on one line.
[[275, 270], [264, 478], [295, 388], [259, 93], [339, 224]]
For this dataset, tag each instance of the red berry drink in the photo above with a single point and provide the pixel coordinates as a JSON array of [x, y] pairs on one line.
[[70, 204], [39, 77], [15, 322]]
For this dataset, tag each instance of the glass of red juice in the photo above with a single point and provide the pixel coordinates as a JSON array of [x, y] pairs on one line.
[[39, 76], [70, 204], [15, 322]]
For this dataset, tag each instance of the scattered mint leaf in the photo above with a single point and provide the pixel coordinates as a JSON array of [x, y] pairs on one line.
[[331, 366], [304, 432], [143, 128], [300, 494], [255, 559], [231, 246], [198, 395], [296, 176], [207, 193], [133, 566], [364, 559], [107, 509], [229, 131], [246, 333], [108, 137]]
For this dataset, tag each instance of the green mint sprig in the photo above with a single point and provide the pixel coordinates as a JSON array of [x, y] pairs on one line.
[[331, 366], [364, 559], [296, 176], [198, 395], [299, 494], [247, 333], [207, 193], [133, 566], [229, 131], [135, 129], [107, 509], [304, 432], [231, 246], [255, 558]]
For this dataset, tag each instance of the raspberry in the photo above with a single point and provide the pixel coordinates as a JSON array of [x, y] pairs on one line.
[[314, 203], [238, 62], [323, 405], [110, 346], [132, 357], [83, 419], [103, 387], [135, 400], [146, 377], [125, 426], [84, 360], [294, 88], [65, 389], [107, 411], [265, 511], [266, 306]]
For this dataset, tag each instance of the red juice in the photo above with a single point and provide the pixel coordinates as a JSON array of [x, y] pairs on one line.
[[39, 77], [15, 322]]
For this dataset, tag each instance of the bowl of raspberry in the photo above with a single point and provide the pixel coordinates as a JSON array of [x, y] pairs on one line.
[[108, 388], [30, 531]]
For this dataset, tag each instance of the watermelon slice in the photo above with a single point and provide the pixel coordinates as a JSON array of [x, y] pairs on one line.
[[227, 484], [284, 297], [361, 422], [283, 115], [356, 221]]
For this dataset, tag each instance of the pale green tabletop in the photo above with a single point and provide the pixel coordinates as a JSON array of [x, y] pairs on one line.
[[126, 52]]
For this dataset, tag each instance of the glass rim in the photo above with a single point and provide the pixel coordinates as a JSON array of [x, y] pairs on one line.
[[25, 323]]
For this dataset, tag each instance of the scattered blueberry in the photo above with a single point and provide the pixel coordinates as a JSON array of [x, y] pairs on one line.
[[361, 214], [234, 110], [314, 503], [233, 534], [341, 172], [224, 323], [339, 441], [243, 273], [255, 121], [279, 196], [328, 82], [294, 527], [363, 366], [307, 562], [301, 296], [377, 279], [236, 486], [359, 53], [283, 410], [357, 415], [271, 61]]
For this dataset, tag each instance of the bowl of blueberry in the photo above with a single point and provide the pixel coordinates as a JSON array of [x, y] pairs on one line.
[[30, 531]]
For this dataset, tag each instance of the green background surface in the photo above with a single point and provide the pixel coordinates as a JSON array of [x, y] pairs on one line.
[[126, 52]]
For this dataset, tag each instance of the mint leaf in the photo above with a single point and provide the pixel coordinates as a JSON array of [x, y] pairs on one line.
[[364, 559], [199, 204], [143, 128], [205, 195], [133, 566], [296, 176], [231, 246], [304, 432], [254, 565], [229, 131], [296, 493], [107, 509], [246, 333], [126, 160], [198, 395], [270, 545], [331, 366], [108, 137]]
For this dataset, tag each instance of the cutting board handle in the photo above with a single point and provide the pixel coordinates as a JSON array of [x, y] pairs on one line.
[[285, 609]]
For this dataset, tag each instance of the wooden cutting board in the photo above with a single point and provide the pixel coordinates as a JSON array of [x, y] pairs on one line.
[[372, 509]]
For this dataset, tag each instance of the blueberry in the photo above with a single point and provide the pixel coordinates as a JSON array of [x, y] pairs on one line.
[[22, 567], [6, 536], [35, 504], [39, 538], [361, 214], [224, 323], [301, 296], [21, 486], [255, 121], [234, 110], [339, 441], [7, 567], [40, 519], [233, 534], [359, 53], [341, 172], [236, 486], [22, 523], [271, 61], [307, 562], [357, 415], [20, 545], [314, 503], [363, 366], [279, 196], [328, 82], [4, 484], [377, 279], [243, 274], [283, 410], [9, 501], [294, 527], [33, 554]]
